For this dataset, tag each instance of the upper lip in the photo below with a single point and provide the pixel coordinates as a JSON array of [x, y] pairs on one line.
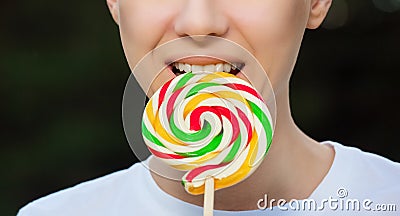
[[208, 50], [201, 60]]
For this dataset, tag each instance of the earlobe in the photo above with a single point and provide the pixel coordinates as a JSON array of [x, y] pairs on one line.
[[114, 9], [318, 11]]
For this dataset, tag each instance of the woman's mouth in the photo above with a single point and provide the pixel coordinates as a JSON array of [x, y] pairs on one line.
[[179, 68]]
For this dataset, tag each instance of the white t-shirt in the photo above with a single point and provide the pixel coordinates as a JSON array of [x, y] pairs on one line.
[[356, 178]]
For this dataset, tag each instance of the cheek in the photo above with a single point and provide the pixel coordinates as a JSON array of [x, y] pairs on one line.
[[274, 31], [142, 26]]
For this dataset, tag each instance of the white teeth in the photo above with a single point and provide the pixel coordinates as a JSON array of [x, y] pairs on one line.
[[209, 68], [187, 68], [227, 68], [197, 68], [181, 66], [219, 67]]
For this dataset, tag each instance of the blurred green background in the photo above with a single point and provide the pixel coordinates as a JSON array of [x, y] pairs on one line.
[[63, 72]]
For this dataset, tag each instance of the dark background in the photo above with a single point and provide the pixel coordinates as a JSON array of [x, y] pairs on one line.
[[63, 72]]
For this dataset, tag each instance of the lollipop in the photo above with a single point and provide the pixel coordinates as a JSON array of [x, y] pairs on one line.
[[210, 125]]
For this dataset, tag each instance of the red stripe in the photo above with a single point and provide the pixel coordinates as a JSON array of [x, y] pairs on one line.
[[245, 88], [195, 116], [232, 118], [246, 122], [217, 110], [171, 102], [164, 155], [197, 171], [162, 93]]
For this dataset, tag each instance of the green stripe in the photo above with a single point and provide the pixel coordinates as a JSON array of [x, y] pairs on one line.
[[264, 121], [206, 149], [234, 150], [189, 137], [146, 133], [199, 87], [183, 80]]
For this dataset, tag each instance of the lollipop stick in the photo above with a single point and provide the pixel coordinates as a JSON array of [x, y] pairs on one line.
[[209, 196]]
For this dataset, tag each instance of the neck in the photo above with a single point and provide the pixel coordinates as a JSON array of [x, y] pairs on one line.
[[292, 169]]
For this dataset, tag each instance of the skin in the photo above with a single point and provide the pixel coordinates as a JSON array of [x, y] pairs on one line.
[[272, 31]]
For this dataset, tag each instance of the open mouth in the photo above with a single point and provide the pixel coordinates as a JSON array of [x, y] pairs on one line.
[[179, 68]]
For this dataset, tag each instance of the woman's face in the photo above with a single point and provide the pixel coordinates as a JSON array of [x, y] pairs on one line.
[[270, 30]]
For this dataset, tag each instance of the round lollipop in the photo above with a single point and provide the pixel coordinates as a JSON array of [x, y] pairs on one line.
[[212, 125]]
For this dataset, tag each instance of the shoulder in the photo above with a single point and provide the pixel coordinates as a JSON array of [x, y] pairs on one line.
[[365, 174], [95, 195], [365, 163]]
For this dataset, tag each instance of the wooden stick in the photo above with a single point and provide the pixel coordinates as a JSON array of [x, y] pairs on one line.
[[209, 196]]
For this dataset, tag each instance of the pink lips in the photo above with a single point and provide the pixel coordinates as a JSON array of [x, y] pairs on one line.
[[200, 60]]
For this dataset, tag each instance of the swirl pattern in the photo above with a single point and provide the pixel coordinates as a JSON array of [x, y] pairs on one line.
[[208, 124]]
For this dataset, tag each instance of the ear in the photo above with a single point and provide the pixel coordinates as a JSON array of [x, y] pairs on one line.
[[113, 6], [319, 10]]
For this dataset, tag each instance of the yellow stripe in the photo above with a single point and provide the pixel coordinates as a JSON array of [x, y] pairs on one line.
[[149, 111], [194, 102], [233, 95], [195, 164], [183, 167], [164, 134], [206, 157], [236, 177], [215, 75]]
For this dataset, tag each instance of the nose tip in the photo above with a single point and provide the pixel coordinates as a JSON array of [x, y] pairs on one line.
[[200, 18]]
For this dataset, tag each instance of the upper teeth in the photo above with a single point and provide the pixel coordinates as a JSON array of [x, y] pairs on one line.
[[221, 67]]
